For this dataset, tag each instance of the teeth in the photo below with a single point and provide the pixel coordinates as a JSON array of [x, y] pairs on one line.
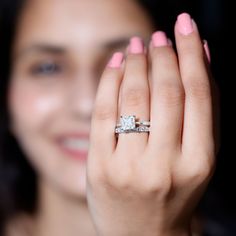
[[76, 144]]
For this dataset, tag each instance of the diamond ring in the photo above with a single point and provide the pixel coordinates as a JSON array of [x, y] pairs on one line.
[[128, 125]]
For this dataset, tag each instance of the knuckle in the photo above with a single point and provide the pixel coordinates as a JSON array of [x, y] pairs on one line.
[[134, 96], [170, 94], [103, 112], [159, 186], [201, 171], [110, 73], [192, 50], [198, 89], [164, 54], [121, 182], [124, 179], [134, 59], [95, 177]]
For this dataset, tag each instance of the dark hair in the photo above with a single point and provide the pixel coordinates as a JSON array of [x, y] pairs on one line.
[[17, 178]]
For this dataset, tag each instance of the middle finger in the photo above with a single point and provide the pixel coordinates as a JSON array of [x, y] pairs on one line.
[[167, 103]]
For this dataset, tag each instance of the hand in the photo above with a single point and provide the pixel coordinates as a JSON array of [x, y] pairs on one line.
[[150, 183]]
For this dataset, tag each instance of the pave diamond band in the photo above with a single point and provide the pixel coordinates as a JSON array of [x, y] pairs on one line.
[[139, 129], [128, 124]]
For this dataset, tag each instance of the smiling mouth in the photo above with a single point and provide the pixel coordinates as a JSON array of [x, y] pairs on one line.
[[76, 144], [74, 147]]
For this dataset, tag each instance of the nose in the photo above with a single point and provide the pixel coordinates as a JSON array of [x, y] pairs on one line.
[[82, 96]]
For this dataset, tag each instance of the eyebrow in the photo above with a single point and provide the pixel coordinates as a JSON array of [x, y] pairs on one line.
[[42, 47], [60, 50], [117, 43], [122, 42]]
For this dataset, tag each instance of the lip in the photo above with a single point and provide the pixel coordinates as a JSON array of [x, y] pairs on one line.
[[80, 155]]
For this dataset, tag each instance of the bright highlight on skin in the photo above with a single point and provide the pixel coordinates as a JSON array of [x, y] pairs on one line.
[[116, 60], [185, 24], [136, 45], [159, 39], [207, 50]]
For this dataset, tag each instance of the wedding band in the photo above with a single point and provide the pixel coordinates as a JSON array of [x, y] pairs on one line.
[[139, 129]]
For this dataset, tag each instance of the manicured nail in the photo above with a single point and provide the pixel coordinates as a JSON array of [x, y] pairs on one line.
[[185, 24], [159, 39], [136, 45], [207, 50], [116, 60]]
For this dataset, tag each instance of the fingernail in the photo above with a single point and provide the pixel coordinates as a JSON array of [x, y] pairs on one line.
[[116, 60], [185, 24], [207, 50], [159, 39], [136, 45]]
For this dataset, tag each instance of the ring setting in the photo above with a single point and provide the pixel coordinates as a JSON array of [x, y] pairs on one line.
[[128, 124]]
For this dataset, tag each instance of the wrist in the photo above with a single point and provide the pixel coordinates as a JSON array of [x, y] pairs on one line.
[[182, 232], [160, 233]]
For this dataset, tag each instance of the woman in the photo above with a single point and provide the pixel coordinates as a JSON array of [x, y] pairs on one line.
[[60, 113]]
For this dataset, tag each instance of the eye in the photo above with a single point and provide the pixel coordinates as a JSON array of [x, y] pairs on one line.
[[46, 69]]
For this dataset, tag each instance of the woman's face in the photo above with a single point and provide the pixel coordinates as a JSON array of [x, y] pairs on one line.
[[60, 50]]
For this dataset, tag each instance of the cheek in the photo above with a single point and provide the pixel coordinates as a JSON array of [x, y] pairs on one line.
[[35, 115], [30, 108]]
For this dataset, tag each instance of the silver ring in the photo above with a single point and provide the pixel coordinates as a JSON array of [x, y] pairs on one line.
[[128, 124], [143, 123], [139, 129]]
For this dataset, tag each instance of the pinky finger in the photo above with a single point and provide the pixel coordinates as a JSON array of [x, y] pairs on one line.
[[104, 117]]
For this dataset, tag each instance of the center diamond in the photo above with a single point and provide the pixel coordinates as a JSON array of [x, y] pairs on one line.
[[127, 122]]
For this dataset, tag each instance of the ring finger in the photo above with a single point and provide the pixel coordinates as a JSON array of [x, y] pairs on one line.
[[135, 94]]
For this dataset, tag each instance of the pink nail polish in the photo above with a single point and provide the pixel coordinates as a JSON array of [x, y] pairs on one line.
[[159, 39], [136, 45], [116, 60], [185, 24], [207, 50]]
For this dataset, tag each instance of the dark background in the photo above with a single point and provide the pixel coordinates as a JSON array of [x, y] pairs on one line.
[[216, 23]]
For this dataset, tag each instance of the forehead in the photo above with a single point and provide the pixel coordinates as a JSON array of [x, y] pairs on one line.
[[80, 21]]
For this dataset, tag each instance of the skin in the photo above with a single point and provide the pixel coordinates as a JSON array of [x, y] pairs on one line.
[[163, 175], [44, 105], [160, 180]]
